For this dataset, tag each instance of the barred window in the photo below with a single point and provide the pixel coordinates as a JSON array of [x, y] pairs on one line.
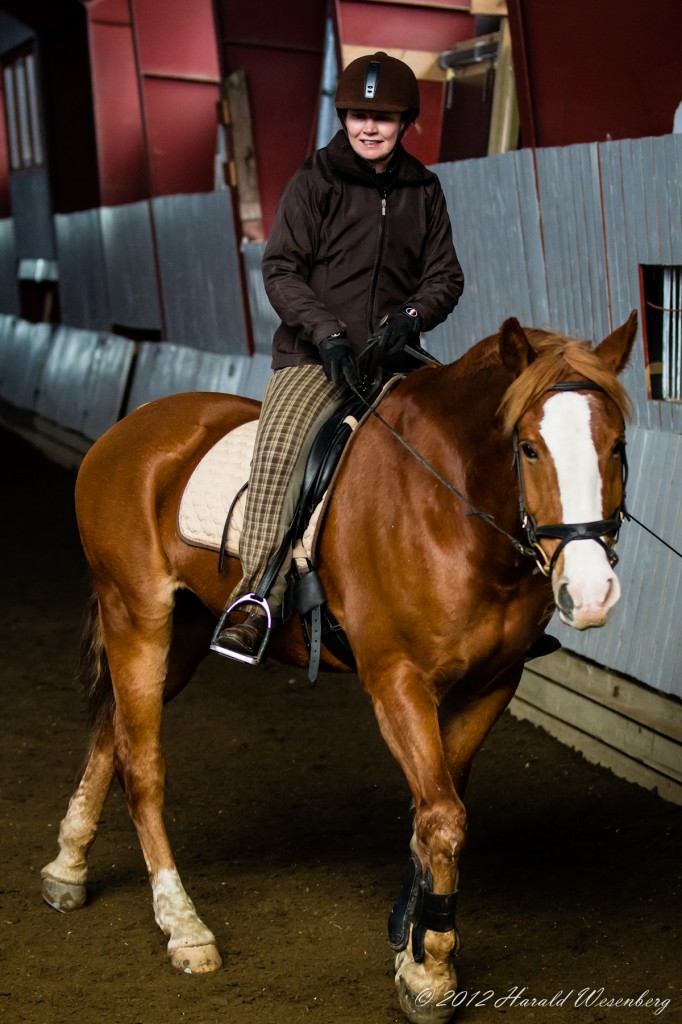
[[662, 297], [22, 112]]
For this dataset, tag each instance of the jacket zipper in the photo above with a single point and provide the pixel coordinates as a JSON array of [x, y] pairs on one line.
[[377, 265]]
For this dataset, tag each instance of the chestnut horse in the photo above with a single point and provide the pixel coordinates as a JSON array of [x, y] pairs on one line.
[[440, 604]]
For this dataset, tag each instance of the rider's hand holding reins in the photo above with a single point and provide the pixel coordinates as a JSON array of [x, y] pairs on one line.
[[339, 360], [399, 330]]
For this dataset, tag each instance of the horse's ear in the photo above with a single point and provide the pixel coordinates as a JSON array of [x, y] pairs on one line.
[[515, 349], [615, 350]]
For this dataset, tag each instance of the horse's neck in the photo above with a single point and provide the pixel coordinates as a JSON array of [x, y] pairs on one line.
[[484, 357], [451, 412], [467, 392]]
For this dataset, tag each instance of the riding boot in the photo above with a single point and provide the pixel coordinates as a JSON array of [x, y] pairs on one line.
[[244, 640], [545, 644]]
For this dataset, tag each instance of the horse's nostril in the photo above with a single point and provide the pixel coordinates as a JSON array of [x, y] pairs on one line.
[[565, 601]]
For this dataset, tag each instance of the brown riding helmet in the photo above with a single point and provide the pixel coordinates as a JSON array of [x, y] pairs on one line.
[[377, 81]]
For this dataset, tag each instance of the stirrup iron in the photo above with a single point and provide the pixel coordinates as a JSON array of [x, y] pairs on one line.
[[249, 659]]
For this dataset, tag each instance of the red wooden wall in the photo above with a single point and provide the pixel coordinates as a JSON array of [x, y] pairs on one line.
[[155, 81], [280, 46], [591, 71]]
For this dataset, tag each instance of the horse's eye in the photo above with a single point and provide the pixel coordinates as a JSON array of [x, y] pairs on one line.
[[529, 451], [618, 448]]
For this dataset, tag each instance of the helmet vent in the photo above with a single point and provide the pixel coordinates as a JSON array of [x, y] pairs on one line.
[[371, 79]]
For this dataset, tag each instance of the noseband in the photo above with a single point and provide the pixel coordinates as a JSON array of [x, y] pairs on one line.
[[567, 532]]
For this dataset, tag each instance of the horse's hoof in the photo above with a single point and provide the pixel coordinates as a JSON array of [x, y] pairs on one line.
[[425, 1007], [63, 896], [197, 959]]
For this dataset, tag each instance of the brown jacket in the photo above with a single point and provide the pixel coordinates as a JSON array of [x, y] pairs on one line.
[[349, 246]]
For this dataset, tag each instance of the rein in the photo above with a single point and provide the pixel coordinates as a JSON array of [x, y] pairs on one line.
[[485, 516], [564, 532]]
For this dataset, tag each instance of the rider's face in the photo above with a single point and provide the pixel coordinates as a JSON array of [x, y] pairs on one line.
[[373, 135]]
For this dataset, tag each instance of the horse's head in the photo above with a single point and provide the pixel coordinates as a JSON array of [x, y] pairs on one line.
[[566, 410]]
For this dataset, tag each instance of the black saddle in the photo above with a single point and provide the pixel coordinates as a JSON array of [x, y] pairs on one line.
[[304, 593]]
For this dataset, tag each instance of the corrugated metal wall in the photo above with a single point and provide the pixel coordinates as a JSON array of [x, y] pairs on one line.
[[558, 243], [555, 238], [169, 265], [9, 291]]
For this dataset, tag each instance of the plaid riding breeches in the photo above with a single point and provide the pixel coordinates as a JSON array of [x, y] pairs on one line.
[[297, 400]]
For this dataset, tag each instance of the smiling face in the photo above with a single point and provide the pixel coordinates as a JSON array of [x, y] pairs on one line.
[[373, 135]]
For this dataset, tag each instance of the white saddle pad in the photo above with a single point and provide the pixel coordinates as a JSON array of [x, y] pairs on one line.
[[212, 488], [215, 482]]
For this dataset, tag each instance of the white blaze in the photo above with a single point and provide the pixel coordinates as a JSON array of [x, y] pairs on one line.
[[565, 428]]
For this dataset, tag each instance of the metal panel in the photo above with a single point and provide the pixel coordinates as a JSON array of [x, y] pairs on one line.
[[186, 46], [200, 277], [24, 348], [83, 292], [642, 197], [84, 380], [118, 118], [264, 320], [257, 374], [643, 636], [129, 263], [9, 294], [178, 109], [496, 226], [32, 212], [574, 62], [167, 369], [575, 259]]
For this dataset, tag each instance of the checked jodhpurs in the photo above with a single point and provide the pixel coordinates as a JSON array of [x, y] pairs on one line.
[[297, 400]]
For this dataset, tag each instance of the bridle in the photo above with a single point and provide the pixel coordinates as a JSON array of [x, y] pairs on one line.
[[567, 532]]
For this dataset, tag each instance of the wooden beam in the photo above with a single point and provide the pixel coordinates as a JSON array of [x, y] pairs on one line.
[[633, 731], [242, 170], [504, 117]]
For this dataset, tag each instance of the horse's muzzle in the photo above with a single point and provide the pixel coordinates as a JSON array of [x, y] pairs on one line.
[[585, 588]]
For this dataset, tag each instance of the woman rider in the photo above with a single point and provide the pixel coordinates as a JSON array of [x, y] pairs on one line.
[[361, 235]]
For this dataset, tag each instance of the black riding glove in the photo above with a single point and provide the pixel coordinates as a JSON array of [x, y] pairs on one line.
[[339, 360], [401, 329]]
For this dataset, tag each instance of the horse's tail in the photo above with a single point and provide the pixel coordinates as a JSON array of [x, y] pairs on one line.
[[93, 672]]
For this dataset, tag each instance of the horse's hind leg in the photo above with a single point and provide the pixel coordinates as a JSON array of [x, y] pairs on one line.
[[126, 692], [138, 647], [65, 877]]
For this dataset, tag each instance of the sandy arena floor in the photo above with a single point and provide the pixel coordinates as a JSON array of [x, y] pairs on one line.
[[290, 824]]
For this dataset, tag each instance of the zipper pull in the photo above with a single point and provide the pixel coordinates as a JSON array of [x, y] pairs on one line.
[[383, 206]]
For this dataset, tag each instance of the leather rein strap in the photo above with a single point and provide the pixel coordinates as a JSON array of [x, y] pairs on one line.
[[564, 532]]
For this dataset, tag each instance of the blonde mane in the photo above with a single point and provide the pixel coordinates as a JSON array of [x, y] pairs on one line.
[[558, 358]]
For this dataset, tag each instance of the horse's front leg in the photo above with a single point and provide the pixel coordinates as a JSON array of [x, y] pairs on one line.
[[138, 652], [422, 925]]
